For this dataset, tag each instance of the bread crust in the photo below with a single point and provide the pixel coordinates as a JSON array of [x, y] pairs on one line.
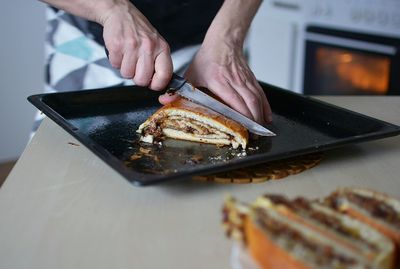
[[266, 252], [183, 104]]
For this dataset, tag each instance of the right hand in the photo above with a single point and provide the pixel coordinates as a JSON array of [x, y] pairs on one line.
[[135, 47]]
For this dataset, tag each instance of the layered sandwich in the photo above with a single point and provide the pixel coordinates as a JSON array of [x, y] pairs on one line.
[[376, 209], [297, 233], [185, 120]]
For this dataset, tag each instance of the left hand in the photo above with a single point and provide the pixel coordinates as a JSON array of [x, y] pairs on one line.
[[222, 68]]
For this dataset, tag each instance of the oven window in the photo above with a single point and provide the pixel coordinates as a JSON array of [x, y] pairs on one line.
[[340, 71]]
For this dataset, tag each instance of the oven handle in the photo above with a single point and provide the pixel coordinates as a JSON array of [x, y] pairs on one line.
[[351, 43]]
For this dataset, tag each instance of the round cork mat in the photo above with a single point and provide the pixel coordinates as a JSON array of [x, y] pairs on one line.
[[265, 171]]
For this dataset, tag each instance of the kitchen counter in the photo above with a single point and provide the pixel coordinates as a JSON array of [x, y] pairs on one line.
[[62, 207]]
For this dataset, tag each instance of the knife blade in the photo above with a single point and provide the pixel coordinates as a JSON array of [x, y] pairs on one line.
[[180, 86]]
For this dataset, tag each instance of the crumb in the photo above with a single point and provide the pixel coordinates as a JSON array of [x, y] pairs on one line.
[[196, 159], [235, 145], [147, 139], [243, 153], [144, 150], [135, 157], [73, 144]]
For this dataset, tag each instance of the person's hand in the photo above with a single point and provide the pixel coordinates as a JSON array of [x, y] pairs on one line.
[[135, 47], [223, 70], [221, 66]]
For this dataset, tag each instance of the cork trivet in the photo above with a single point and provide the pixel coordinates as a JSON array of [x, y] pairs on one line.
[[265, 171]]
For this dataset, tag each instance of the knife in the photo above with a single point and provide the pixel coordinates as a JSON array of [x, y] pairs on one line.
[[180, 86]]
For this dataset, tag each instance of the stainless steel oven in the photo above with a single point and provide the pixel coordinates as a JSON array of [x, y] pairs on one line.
[[341, 62]]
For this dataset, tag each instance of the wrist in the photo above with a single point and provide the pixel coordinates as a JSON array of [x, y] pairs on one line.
[[230, 36], [232, 22], [104, 8]]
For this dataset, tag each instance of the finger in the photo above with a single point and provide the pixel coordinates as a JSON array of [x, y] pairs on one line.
[[163, 71], [128, 65], [144, 70], [252, 102], [232, 98], [115, 58], [267, 112], [168, 98]]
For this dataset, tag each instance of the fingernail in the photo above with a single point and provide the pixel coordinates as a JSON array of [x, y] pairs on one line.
[[269, 119]]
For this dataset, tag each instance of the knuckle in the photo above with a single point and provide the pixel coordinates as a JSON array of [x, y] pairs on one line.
[[131, 43], [148, 45], [164, 46], [115, 45], [253, 99]]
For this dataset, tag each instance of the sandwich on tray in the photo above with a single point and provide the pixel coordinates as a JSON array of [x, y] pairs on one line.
[[298, 233], [185, 120]]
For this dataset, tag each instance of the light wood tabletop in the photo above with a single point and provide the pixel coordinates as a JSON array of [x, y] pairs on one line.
[[63, 207]]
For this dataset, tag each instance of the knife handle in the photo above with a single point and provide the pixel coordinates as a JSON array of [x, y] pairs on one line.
[[176, 82]]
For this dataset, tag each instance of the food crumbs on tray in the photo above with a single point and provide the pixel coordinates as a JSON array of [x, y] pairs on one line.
[[135, 157], [144, 150], [196, 159], [241, 154], [74, 144]]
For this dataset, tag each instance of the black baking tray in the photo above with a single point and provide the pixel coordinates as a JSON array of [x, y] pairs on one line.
[[105, 121]]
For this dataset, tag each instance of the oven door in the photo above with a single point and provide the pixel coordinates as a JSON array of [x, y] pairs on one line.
[[338, 62]]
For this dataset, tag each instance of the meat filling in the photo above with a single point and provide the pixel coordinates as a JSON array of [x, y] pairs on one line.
[[303, 207], [376, 208], [186, 125]]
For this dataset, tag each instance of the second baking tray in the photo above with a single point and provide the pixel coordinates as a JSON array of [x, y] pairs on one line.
[[105, 121]]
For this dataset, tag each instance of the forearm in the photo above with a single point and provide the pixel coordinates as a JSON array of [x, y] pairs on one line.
[[232, 21], [93, 10]]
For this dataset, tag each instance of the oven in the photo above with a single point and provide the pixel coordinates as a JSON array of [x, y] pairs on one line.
[[328, 47], [346, 63]]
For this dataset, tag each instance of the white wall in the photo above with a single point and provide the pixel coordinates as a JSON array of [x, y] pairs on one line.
[[22, 28]]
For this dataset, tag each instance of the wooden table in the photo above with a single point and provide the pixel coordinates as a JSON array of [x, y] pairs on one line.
[[62, 207]]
